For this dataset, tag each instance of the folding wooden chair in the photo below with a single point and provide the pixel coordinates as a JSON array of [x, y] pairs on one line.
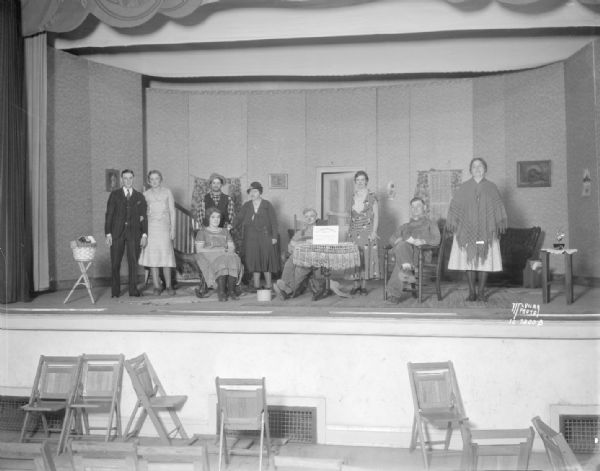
[[15, 455], [152, 399], [101, 456], [196, 455], [295, 463], [437, 402], [98, 391], [242, 405], [559, 452], [514, 443], [52, 389]]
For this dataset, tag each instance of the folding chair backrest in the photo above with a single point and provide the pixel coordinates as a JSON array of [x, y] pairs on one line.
[[559, 452], [38, 454], [197, 456], [293, 463], [56, 377], [143, 376], [242, 401], [434, 387], [97, 456]]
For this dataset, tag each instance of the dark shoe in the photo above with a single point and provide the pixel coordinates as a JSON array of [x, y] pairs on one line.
[[171, 292], [136, 294], [482, 297], [221, 288], [156, 291], [252, 289], [364, 291], [231, 287], [471, 297], [393, 299], [355, 290], [321, 292], [201, 292]]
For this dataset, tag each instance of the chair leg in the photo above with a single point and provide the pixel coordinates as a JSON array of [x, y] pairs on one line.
[[413, 436], [262, 433], [448, 436], [179, 426], [221, 437], [24, 428], [268, 433], [425, 445]]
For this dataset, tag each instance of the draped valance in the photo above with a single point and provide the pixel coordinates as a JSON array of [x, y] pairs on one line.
[[60, 16]]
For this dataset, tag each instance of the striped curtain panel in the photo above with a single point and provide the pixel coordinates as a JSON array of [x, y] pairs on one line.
[[15, 238]]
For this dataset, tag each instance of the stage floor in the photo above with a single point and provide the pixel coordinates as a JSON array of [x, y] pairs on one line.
[[500, 303]]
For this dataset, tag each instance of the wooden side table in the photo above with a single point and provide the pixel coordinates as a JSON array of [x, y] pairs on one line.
[[568, 256]]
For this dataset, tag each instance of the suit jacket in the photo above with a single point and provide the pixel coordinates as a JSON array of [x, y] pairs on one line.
[[116, 214]]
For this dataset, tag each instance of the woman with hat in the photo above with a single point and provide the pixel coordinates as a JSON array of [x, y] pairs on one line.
[[257, 223]]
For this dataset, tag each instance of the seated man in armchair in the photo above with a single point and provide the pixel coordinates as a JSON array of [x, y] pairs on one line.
[[293, 276], [420, 230]]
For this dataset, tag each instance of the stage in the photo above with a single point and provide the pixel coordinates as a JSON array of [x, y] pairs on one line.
[[344, 357]]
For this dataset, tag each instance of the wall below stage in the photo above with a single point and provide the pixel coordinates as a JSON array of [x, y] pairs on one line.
[[352, 368]]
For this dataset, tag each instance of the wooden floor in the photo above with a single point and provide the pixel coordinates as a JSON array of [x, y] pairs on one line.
[[369, 458], [498, 306]]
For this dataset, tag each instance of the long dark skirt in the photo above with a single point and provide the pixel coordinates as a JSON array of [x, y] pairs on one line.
[[260, 255]]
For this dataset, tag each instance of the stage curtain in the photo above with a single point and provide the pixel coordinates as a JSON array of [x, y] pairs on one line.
[[15, 241], [37, 93]]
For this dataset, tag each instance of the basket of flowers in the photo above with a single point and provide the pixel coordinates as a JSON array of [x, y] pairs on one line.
[[84, 248]]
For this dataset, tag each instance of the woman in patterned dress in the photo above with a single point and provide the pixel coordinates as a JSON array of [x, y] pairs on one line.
[[216, 257], [158, 252], [364, 219]]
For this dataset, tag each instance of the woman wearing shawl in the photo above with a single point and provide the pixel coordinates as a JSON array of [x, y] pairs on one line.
[[477, 218]]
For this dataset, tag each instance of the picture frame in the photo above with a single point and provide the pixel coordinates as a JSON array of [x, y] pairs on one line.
[[278, 181], [112, 179], [534, 173]]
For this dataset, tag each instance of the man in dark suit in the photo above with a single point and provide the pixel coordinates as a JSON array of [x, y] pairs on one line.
[[126, 228]]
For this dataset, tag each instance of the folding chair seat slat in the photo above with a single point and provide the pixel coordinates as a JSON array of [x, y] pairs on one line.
[[103, 456], [16, 454]]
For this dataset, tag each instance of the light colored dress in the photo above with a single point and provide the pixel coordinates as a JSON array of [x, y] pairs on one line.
[[214, 264], [161, 216]]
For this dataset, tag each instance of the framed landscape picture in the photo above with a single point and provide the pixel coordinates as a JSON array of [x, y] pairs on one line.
[[533, 173]]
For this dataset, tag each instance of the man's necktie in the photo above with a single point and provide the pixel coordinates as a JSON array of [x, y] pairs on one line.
[[128, 194]]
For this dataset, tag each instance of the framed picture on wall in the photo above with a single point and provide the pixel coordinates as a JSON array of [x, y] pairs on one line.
[[112, 178], [278, 180], [533, 173]]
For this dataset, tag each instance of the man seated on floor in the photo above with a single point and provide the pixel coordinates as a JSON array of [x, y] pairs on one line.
[[420, 230], [294, 278]]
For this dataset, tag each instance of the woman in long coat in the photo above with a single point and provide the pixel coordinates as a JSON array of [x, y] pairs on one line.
[[258, 224]]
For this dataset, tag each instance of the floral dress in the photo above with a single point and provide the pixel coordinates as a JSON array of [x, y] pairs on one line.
[[361, 226]]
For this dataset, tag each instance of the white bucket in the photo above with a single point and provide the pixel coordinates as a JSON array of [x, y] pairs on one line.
[[263, 295]]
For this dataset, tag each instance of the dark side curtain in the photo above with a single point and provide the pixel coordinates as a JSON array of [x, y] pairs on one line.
[[15, 240]]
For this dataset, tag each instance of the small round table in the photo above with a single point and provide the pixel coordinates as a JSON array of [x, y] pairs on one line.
[[327, 257], [545, 256]]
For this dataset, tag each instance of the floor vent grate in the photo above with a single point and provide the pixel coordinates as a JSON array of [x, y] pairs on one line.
[[296, 424], [293, 424], [12, 416], [582, 432]]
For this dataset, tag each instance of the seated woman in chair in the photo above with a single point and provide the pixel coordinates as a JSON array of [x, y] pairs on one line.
[[419, 230], [216, 258]]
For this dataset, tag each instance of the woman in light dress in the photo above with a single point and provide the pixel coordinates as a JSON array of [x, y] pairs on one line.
[[158, 252], [364, 219], [216, 257]]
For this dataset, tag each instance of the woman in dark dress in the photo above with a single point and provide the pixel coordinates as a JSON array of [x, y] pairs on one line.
[[258, 224]]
